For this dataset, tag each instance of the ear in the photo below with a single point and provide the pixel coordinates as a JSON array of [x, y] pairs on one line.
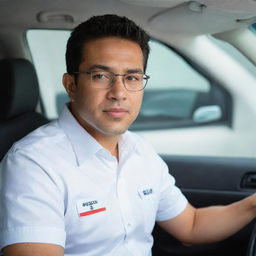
[[69, 83]]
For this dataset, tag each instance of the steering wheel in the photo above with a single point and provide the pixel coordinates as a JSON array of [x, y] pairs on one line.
[[252, 243]]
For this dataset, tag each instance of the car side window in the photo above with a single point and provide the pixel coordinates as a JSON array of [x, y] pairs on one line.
[[48, 48], [177, 95]]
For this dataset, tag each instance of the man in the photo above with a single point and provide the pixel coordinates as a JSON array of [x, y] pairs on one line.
[[84, 185]]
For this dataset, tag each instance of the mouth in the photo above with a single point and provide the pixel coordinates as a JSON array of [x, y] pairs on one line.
[[116, 112]]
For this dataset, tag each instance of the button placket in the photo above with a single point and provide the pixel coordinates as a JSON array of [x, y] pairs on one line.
[[124, 203]]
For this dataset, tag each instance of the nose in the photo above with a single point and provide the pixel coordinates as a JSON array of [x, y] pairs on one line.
[[117, 91]]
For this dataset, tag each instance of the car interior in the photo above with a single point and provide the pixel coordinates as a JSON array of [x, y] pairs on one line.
[[18, 102], [203, 127]]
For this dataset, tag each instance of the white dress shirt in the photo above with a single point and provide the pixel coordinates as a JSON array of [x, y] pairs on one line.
[[60, 186]]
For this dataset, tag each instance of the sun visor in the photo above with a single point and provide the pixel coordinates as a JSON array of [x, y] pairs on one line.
[[231, 5], [198, 18], [155, 3]]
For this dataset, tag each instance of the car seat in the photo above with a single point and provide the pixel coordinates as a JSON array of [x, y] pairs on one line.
[[19, 96]]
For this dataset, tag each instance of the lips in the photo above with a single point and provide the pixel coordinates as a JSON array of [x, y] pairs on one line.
[[116, 112]]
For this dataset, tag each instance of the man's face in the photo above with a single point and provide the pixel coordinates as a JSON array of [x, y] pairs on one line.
[[106, 111]]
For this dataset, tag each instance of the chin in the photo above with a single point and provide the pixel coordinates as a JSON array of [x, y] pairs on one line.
[[113, 129], [114, 132]]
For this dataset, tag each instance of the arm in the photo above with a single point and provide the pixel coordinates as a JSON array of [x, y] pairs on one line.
[[33, 249], [32, 213], [211, 224]]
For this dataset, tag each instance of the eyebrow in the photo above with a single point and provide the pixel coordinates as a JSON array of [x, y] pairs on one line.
[[98, 66], [107, 68], [135, 70]]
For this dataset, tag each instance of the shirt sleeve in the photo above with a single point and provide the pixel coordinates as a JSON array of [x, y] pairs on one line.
[[172, 202], [32, 205]]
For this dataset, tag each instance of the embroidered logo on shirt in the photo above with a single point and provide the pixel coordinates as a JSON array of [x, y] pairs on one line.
[[89, 207], [146, 193]]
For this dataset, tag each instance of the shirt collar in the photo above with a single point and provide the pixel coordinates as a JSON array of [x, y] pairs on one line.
[[129, 143], [84, 145]]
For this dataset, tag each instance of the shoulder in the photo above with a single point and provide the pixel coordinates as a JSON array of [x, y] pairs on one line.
[[37, 156], [40, 141]]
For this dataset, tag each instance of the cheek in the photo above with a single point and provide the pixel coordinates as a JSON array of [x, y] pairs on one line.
[[89, 101], [136, 104], [138, 101]]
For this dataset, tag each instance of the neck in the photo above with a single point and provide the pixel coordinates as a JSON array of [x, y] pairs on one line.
[[109, 142]]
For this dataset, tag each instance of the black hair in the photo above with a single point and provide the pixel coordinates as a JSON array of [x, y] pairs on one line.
[[97, 27]]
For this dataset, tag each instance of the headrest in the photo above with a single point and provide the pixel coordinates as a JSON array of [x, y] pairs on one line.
[[19, 91]]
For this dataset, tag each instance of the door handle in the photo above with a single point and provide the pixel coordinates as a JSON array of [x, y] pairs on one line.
[[249, 181]]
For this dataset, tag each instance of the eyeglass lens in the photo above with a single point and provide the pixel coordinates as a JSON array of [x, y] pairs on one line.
[[132, 81]]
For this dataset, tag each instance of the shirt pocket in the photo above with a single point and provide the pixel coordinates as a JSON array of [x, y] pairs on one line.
[[149, 204], [92, 214], [93, 221]]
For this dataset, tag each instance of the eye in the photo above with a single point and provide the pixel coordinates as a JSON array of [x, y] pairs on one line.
[[133, 77], [100, 76]]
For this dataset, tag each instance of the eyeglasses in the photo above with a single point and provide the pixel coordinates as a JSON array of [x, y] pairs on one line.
[[105, 79]]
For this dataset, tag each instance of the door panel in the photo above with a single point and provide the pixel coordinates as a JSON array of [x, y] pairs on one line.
[[209, 181]]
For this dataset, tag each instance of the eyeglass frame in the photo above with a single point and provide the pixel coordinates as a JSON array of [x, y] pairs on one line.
[[145, 77]]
